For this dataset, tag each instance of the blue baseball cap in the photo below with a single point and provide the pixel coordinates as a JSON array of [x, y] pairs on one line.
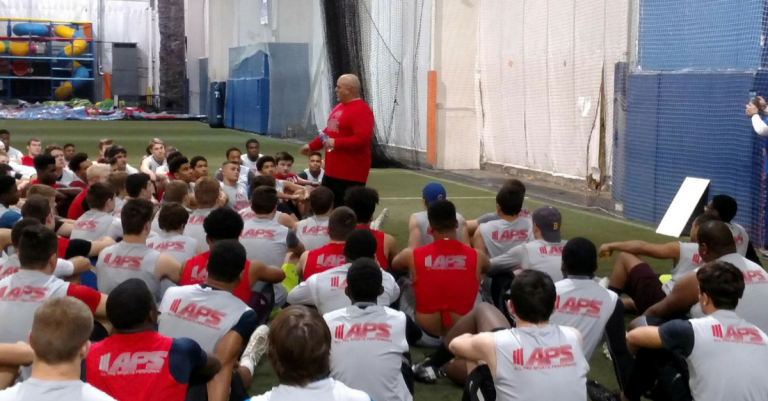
[[433, 192]]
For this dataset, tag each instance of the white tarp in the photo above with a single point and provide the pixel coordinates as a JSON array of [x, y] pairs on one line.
[[541, 65]]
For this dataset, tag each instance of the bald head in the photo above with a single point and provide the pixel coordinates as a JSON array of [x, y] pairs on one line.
[[347, 88], [715, 240]]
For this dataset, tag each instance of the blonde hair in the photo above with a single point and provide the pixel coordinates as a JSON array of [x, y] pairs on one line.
[[42, 190], [96, 170]]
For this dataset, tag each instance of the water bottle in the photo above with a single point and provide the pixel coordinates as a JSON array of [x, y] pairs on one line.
[[323, 137]]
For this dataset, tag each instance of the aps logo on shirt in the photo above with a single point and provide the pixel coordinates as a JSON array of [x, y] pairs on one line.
[[579, 306], [198, 314], [735, 334], [133, 363], [509, 235], [446, 262], [363, 332], [544, 358]]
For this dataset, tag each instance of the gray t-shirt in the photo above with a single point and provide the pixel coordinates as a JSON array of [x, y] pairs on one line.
[[34, 389], [237, 196], [500, 236], [124, 261], [313, 232], [535, 255]]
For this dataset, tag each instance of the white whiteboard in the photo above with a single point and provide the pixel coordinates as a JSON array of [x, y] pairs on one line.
[[682, 206]]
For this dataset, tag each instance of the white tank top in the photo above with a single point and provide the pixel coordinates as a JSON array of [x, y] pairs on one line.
[[752, 304], [313, 232], [325, 390], [251, 165], [501, 235], [20, 296], [312, 178], [265, 240], [729, 359], [426, 230], [377, 332], [154, 165], [740, 237], [180, 247], [195, 228], [328, 289], [124, 261], [237, 196], [11, 265], [248, 214], [539, 364], [119, 203], [688, 261], [585, 305], [92, 226], [72, 390], [202, 314]]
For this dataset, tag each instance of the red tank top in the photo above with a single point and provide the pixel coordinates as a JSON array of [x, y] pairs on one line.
[[195, 272], [133, 367], [381, 256], [324, 258], [446, 278]]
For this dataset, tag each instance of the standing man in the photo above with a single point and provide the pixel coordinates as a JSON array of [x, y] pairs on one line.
[[346, 139]]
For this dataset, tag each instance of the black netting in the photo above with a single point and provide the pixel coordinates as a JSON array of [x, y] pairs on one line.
[[383, 55]]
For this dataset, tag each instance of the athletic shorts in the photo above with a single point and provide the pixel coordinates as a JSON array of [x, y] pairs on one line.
[[644, 287], [457, 307], [479, 385], [339, 188]]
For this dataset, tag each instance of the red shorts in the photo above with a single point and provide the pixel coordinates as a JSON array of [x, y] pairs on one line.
[[457, 306]]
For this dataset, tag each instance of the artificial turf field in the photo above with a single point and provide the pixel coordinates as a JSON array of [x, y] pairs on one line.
[[400, 191]]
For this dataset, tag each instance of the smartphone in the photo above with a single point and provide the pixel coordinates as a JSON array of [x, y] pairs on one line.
[[753, 96]]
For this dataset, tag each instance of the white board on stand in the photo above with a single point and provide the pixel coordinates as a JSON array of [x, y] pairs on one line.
[[682, 206]]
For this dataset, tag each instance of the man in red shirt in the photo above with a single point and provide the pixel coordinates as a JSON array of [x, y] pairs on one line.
[[346, 139], [137, 363], [341, 223], [95, 173], [223, 224], [34, 147], [363, 202]]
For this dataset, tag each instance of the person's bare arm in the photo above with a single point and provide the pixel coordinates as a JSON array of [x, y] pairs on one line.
[[465, 238], [291, 187], [483, 263], [101, 311], [478, 242], [297, 250], [66, 229], [168, 267], [99, 245], [390, 247], [644, 337], [145, 169], [475, 347], [17, 354], [670, 250], [684, 295], [63, 193], [5, 238], [303, 182], [226, 350], [261, 272], [302, 262], [81, 264], [288, 220], [414, 234], [403, 261]]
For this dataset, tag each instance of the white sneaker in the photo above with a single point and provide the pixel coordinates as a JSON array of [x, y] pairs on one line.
[[381, 220], [257, 345]]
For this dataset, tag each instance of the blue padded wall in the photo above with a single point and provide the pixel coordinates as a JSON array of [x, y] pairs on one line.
[[700, 34], [691, 124], [289, 85]]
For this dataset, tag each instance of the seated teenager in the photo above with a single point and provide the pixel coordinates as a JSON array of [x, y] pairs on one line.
[[132, 258], [227, 327], [472, 225], [95, 223], [172, 219], [224, 224], [59, 338], [207, 195], [445, 273], [419, 232], [383, 374], [284, 215], [496, 237], [363, 202], [543, 253], [726, 355], [313, 231], [534, 361], [725, 207], [326, 290], [37, 253], [164, 366], [300, 354], [9, 196], [341, 223], [631, 275], [176, 192], [95, 173], [286, 190]]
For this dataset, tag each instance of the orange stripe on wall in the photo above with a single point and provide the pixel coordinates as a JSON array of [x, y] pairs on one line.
[[432, 118], [107, 84]]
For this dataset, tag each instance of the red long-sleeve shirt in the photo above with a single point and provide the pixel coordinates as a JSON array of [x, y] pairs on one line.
[[351, 127]]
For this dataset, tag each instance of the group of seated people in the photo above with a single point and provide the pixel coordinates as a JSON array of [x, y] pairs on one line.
[[166, 284]]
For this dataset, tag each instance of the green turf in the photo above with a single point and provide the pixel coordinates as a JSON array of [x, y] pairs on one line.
[[400, 192]]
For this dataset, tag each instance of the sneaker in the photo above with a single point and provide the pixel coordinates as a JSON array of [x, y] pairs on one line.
[[597, 392], [607, 352], [381, 220], [427, 374], [257, 345], [605, 282]]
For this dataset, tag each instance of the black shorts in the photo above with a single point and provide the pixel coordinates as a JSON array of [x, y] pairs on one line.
[[644, 287], [479, 385], [339, 188]]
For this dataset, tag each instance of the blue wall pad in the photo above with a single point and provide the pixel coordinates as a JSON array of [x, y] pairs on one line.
[[271, 84], [692, 124], [229, 105], [620, 75], [700, 34], [204, 86]]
